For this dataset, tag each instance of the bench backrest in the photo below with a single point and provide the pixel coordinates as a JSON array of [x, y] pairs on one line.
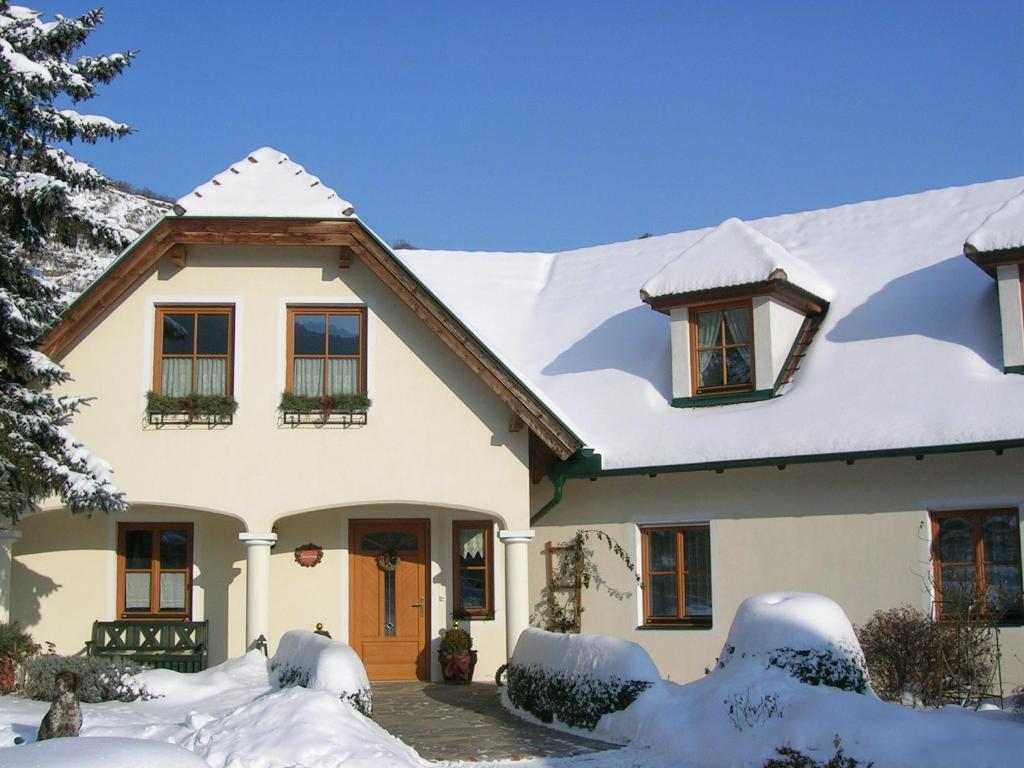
[[149, 635]]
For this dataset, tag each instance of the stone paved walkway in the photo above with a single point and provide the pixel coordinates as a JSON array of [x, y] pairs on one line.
[[467, 722]]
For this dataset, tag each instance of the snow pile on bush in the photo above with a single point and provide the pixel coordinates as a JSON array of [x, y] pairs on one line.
[[101, 752], [577, 681], [314, 661], [791, 675], [806, 635]]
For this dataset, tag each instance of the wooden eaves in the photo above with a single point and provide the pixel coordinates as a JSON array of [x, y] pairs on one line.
[[356, 242], [989, 260]]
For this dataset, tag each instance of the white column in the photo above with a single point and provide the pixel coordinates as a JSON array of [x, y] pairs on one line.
[[257, 585], [7, 539], [517, 584]]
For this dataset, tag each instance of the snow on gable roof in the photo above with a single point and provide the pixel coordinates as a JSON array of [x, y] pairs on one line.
[[908, 355], [266, 183], [1003, 229], [732, 254]]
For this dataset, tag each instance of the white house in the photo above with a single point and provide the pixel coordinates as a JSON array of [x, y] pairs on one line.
[[826, 401]]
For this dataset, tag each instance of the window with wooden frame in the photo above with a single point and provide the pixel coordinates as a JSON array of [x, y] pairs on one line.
[[473, 568], [194, 350], [976, 555], [326, 351], [722, 348], [677, 576], [154, 571]]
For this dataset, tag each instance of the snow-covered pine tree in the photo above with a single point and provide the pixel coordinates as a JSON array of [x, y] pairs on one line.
[[38, 456]]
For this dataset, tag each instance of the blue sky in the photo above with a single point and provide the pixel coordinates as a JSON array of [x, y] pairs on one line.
[[544, 126]]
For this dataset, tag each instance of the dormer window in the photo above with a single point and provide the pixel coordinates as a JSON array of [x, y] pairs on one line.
[[997, 246], [722, 344], [743, 312]]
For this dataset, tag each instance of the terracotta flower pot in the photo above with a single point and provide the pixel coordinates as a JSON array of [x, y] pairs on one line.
[[458, 669]]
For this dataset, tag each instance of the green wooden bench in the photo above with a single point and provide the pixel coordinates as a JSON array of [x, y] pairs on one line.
[[176, 645]]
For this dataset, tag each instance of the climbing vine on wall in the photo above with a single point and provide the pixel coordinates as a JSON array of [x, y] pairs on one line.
[[571, 569]]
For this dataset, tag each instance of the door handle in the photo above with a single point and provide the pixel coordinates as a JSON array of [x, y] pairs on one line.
[[418, 605]]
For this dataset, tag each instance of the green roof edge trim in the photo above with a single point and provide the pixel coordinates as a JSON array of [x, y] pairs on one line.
[[587, 464], [1014, 369], [700, 401]]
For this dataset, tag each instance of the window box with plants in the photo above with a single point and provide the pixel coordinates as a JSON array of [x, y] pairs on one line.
[[345, 409], [193, 408]]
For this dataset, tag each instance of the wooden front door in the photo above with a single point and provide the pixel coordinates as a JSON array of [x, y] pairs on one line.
[[388, 622]]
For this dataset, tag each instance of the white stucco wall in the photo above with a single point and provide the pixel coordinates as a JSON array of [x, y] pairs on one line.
[[1010, 315], [858, 534], [436, 445]]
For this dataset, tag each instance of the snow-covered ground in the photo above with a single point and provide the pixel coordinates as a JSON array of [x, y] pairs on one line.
[[760, 697]]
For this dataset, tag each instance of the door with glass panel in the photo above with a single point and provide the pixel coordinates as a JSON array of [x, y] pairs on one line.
[[388, 620]]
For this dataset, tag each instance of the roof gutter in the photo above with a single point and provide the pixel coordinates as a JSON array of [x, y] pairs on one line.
[[586, 465]]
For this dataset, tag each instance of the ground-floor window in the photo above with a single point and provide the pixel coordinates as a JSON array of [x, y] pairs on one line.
[[154, 570], [976, 554], [473, 568], [677, 575]]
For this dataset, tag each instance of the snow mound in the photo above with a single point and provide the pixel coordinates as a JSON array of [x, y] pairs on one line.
[[1004, 228], [100, 752], [733, 253], [805, 634], [298, 727], [265, 183], [604, 658], [314, 661], [587, 684], [248, 671]]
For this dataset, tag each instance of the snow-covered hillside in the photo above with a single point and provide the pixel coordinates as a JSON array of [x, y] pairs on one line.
[[74, 267]]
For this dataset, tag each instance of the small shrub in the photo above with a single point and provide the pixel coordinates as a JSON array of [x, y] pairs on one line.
[[846, 671], [15, 643], [792, 758], [288, 676], [912, 656], [578, 701], [100, 679], [746, 713], [455, 642]]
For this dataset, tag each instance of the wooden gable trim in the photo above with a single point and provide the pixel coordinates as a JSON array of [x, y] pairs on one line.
[[143, 255], [989, 260], [783, 290]]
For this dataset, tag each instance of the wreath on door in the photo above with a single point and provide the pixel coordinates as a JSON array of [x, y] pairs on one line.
[[388, 560]]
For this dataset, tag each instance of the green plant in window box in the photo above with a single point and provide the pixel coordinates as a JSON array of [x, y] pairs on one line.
[[192, 404], [456, 654], [328, 404]]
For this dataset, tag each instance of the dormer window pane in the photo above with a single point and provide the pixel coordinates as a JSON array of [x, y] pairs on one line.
[[723, 341]]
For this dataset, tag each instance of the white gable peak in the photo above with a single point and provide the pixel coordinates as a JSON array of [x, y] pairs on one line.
[[265, 183], [732, 254]]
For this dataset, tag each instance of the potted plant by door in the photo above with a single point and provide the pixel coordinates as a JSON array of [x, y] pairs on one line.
[[458, 659]]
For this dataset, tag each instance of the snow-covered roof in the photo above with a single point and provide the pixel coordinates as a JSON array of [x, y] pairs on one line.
[[732, 254], [908, 354], [265, 183], [1004, 228]]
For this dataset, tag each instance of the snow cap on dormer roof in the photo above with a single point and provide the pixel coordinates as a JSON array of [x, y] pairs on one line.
[[733, 254], [1003, 229], [266, 183]]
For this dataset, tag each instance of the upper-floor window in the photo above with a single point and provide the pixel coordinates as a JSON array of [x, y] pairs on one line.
[[722, 348], [194, 350], [326, 350], [473, 566], [677, 576], [154, 565], [977, 562]]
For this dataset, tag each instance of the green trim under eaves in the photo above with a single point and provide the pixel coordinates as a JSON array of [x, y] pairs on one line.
[[1013, 369], [738, 397]]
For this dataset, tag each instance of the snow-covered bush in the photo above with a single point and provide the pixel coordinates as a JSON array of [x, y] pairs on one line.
[[313, 661], [576, 679], [99, 679], [806, 635]]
